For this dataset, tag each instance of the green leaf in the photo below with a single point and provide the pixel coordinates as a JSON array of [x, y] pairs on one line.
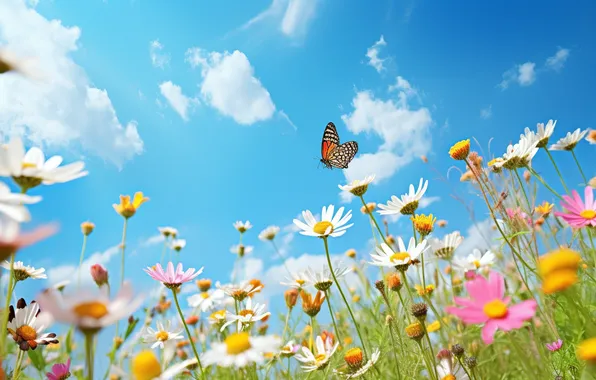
[[37, 359], [68, 344]]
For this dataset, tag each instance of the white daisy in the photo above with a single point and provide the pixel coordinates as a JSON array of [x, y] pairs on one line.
[[518, 155], [447, 366], [330, 224], [444, 248], [241, 249], [386, 257], [324, 352], [26, 325], [323, 279], [168, 231], [475, 261], [240, 349], [542, 134], [359, 369], [242, 227], [208, 300], [591, 137], [23, 272], [161, 335], [12, 204], [61, 285], [90, 309], [246, 316], [296, 280], [30, 169], [289, 349], [407, 203], [357, 187], [178, 244], [217, 317], [269, 233], [145, 365], [241, 291], [570, 140]]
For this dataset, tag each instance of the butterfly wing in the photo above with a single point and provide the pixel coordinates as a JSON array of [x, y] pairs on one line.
[[330, 141], [342, 155]]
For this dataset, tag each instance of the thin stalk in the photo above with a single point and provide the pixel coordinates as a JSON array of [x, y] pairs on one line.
[[343, 295], [372, 217], [579, 166], [192, 344], [311, 341], [332, 316], [17, 368], [123, 246], [395, 350], [430, 347], [283, 259], [163, 251], [557, 169], [9, 290], [89, 358], [464, 367], [539, 178], [283, 334], [530, 208], [81, 258]]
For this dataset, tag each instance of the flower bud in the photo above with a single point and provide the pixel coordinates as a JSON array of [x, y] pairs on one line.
[[291, 296], [99, 274], [192, 320], [87, 228]]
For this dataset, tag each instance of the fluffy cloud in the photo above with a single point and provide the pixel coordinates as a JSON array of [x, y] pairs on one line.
[[62, 108], [372, 53], [480, 235], [230, 86], [179, 102], [557, 61], [486, 113], [292, 16], [71, 272], [526, 73], [405, 133], [158, 57]]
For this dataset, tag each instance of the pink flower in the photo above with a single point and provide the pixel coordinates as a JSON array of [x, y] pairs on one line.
[[488, 305], [99, 274], [12, 239], [170, 278], [59, 371], [555, 346], [517, 213], [579, 214]]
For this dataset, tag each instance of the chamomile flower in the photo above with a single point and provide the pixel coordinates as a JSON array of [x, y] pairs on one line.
[[542, 134], [241, 291], [217, 317], [570, 140], [290, 349], [242, 227], [386, 257], [297, 280], [357, 187], [250, 314], [407, 203], [12, 204], [519, 155], [240, 349], [168, 231], [475, 261], [23, 272], [323, 279], [449, 368], [26, 325], [444, 248], [208, 300], [591, 137], [324, 351], [354, 360], [241, 249], [269, 233], [178, 244], [162, 335], [331, 224]]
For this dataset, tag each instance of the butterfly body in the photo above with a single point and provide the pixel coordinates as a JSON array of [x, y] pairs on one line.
[[334, 154]]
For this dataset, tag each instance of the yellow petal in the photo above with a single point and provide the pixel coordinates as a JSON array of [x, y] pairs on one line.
[[139, 199]]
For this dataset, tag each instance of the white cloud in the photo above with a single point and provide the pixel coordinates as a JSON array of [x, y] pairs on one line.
[[158, 57], [293, 16], [152, 240], [405, 133], [63, 108], [284, 116], [179, 102], [557, 61], [480, 235], [248, 268], [486, 113], [523, 74], [230, 86], [346, 197], [373, 55], [71, 272]]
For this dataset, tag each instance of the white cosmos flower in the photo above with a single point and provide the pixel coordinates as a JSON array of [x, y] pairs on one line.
[[444, 248], [240, 349], [241, 291], [242, 227], [386, 257], [296, 280], [168, 231], [324, 351], [12, 204], [29, 169], [250, 314], [362, 370], [208, 300], [447, 366], [570, 140], [23, 272], [330, 224], [323, 279], [475, 260], [269, 233], [90, 309], [29, 315], [357, 187], [161, 335], [542, 134], [178, 244], [407, 203]]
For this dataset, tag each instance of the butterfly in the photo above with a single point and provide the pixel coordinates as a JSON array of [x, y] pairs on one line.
[[334, 155]]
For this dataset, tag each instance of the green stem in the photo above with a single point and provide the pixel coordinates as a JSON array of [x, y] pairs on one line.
[[464, 367], [312, 332], [17, 368], [407, 286], [372, 217], [9, 290], [332, 316], [192, 343], [89, 359], [283, 334], [530, 208], [343, 295], [430, 347], [539, 178], [283, 259], [81, 258], [579, 167], [557, 169], [395, 349], [123, 246], [163, 251]]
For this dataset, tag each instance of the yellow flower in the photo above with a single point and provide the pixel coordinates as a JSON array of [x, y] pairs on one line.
[[354, 358], [145, 366], [415, 331], [558, 270], [544, 209], [370, 207], [128, 209], [87, 228], [587, 350], [425, 291], [460, 150], [432, 327], [424, 223], [312, 306], [351, 253]]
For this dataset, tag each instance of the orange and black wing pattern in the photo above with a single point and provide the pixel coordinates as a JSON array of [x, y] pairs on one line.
[[334, 154]]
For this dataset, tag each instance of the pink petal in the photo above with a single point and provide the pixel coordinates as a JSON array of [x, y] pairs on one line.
[[479, 289], [468, 315], [170, 272], [589, 197], [488, 331], [578, 201], [496, 288]]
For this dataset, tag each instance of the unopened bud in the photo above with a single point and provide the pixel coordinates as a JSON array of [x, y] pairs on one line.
[[471, 362], [87, 228], [291, 296], [527, 176], [99, 274], [457, 350], [118, 342], [192, 320]]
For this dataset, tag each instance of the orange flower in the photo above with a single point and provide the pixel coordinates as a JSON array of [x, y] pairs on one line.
[[126, 208], [312, 306]]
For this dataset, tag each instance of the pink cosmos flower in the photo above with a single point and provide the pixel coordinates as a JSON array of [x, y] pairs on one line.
[[170, 278], [488, 305], [12, 239], [517, 213], [555, 346], [59, 371], [579, 213]]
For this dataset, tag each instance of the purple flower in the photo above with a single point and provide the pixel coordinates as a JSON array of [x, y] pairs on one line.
[[554, 346], [59, 371], [170, 278]]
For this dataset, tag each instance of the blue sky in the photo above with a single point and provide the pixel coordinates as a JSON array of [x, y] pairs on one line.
[[216, 111]]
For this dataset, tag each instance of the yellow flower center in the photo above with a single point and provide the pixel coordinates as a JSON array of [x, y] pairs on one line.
[[588, 214], [320, 357], [300, 282], [94, 309], [204, 295], [237, 343], [448, 377], [321, 227], [162, 336], [587, 350], [220, 314], [476, 263], [495, 309], [246, 312], [354, 357], [400, 256], [145, 366], [26, 165], [27, 332]]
